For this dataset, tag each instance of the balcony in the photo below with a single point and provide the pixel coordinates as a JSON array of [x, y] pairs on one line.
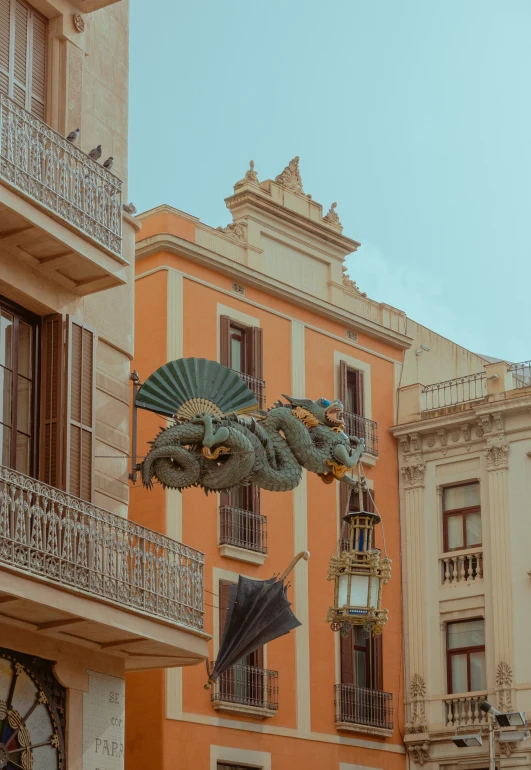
[[60, 212], [472, 387], [84, 553], [247, 690], [359, 709], [465, 710], [362, 428], [461, 567], [242, 529], [257, 386]]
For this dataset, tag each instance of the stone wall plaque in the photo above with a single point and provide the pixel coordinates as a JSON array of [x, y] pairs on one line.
[[103, 723]]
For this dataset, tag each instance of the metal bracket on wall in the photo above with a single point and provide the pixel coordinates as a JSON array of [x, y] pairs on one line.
[[135, 467]]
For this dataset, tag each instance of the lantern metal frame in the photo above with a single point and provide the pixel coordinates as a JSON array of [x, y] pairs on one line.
[[359, 559]]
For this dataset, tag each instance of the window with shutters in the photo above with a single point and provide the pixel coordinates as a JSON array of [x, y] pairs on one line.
[[352, 396], [23, 48], [241, 349], [361, 659], [18, 375], [67, 405]]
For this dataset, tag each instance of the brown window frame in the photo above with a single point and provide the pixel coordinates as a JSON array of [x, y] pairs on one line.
[[463, 512], [239, 332], [20, 313], [460, 651], [373, 661], [347, 373]]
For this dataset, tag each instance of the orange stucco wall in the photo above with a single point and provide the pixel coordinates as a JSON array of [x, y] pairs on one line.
[[186, 744]]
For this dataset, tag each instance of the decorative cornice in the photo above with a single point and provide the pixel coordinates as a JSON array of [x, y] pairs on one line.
[[290, 178], [413, 475], [173, 244], [235, 230], [497, 456]]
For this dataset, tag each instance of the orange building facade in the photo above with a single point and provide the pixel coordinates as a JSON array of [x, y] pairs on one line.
[[269, 296]]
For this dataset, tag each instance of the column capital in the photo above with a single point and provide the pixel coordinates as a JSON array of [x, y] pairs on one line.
[[413, 475], [497, 456]]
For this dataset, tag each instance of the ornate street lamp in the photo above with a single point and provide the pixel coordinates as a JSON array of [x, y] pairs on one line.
[[359, 572]]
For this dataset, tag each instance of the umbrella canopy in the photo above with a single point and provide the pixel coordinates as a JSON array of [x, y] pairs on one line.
[[258, 612]]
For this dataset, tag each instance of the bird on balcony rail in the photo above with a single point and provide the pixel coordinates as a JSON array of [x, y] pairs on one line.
[[73, 136], [108, 163], [95, 154]]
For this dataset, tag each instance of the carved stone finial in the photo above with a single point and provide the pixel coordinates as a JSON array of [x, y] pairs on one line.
[[251, 176], [235, 230], [79, 22], [332, 217], [290, 178]]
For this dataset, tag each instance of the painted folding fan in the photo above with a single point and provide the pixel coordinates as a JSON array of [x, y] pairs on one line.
[[192, 386]]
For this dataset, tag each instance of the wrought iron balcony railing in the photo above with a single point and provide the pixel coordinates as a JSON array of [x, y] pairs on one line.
[[362, 428], [471, 387], [461, 567], [465, 710], [521, 374], [59, 177], [66, 541], [362, 706], [248, 686], [257, 386], [243, 529]]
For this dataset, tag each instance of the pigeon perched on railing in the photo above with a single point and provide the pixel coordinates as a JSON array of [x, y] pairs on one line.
[[108, 163], [73, 136], [130, 208], [95, 154]]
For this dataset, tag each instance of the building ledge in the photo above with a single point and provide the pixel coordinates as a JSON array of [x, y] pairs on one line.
[[258, 712], [242, 554], [355, 727]]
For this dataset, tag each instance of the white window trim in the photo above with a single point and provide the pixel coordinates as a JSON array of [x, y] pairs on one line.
[[253, 759]]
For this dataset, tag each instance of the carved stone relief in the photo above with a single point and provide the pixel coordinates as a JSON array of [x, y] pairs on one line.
[[413, 475], [497, 456], [419, 752], [290, 178], [418, 722], [235, 230], [331, 217], [504, 683]]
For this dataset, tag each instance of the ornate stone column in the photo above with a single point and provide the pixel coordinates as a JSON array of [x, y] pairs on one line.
[[497, 454], [497, 466], [414, 570]]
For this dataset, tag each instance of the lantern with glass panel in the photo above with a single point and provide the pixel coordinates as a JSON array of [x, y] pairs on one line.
[[359, 572]]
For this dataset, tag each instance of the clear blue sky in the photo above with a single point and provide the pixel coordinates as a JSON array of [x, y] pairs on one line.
[[414, 115]]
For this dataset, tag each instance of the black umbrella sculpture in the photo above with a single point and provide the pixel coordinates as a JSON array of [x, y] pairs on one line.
[[258, 612]]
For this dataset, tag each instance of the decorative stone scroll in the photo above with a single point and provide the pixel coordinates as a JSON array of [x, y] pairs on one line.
[[413, 475], [419, 752], [235, 230], [332, 217], [290, 178]]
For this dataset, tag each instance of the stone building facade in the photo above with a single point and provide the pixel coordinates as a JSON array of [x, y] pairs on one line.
[[80, 595], [464, 449]]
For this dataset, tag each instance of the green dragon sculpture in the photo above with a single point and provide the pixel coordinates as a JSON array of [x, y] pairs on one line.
[[220, 450]]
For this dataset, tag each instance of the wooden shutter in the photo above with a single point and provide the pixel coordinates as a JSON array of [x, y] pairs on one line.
[[5, 40], [255, 498], [52, 401], [360, 398], [80, 423], [254, 339], [23, 48], [377, 663], [344, 497], [347, 658], [37, 89], [343, 368], [223, 604], [224, 341]]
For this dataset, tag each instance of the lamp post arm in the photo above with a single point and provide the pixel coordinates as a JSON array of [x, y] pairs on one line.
[[492, 756]]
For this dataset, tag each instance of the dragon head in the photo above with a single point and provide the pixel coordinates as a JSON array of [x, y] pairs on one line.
[[329, 413]]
